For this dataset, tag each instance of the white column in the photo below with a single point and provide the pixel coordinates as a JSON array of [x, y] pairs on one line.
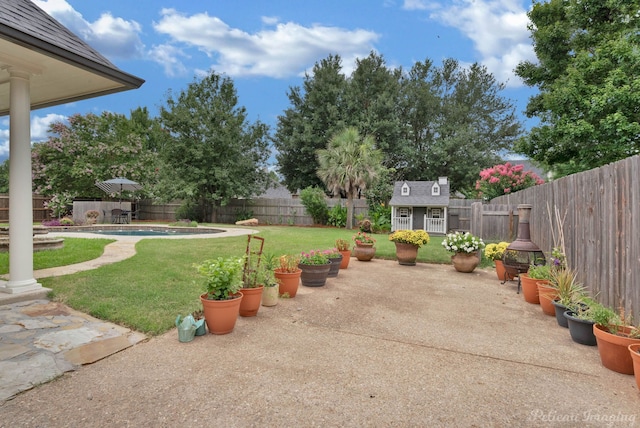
[[20, 188]]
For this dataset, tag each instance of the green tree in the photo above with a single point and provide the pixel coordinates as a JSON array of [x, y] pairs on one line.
[[4, 176], [349, 164], [215, 153], [588, 77], [307, 125], [88, 149], [457, 122]]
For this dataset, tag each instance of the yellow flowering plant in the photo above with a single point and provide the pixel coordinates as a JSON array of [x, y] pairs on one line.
[[413, 237], [495, 251]]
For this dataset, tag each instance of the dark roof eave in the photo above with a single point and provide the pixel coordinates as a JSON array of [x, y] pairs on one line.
[[29, 42]]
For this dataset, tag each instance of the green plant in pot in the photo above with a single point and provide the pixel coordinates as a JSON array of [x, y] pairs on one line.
[[315, 267], [221, 302], [614, 333], [252, 286], [580, 319], [267, 278]]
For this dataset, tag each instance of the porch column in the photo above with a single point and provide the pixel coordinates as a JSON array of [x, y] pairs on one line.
[[20, 188], [446, 220]]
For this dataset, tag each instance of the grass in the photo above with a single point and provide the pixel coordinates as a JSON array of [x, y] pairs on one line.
[[75, 250], [148, 291]]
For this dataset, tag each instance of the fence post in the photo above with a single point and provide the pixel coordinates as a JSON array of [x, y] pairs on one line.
[[476, 219]]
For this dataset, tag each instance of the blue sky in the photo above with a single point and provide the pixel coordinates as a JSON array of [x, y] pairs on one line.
[[266, 46]]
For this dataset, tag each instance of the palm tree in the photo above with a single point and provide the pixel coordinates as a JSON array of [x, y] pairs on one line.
[[349, 163]]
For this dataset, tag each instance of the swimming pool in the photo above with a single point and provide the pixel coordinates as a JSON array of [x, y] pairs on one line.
[[159, 232], [148, 231]]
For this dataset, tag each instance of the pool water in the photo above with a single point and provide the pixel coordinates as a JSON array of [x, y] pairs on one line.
[[160, 232]]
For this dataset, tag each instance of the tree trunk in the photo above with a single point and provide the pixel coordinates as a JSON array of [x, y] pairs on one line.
[[349, 211]]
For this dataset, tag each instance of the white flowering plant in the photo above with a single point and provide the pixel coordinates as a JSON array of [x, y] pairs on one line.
[[462, 242]]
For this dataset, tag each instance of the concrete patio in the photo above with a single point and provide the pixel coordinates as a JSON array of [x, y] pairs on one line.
[[380, 345]]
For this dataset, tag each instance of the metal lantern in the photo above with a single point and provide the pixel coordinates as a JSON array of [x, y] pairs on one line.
[[522, 252]]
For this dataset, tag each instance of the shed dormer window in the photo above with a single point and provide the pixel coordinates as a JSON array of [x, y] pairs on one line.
[[435, 190], [405, 189]]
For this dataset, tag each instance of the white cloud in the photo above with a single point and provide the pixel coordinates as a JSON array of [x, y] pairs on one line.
[[283, 51], [112, 37], [169, 57], [39, 127], [498, 29]]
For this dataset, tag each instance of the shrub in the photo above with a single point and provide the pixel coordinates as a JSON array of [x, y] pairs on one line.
[[66, 221], [338, 216], [314, 201]]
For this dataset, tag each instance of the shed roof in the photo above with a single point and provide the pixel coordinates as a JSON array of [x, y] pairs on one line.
[[63, 68], [420, 195]]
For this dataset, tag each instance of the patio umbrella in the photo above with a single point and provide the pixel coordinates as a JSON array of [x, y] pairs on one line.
[[118, 185]]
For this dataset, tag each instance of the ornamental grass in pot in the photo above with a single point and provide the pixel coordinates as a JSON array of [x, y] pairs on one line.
[[221, 302], [569, 292], [408, 242], [267, 278]]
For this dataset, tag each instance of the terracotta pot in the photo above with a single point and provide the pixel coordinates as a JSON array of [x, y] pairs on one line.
[[502, 272], [530, 289], [314, 275], [346, 256], [334, 269], [634, 350], [364, 252], [546, 295], [288, 282], [221, 315], [251, 298], [465, 262], [614, 349], [270, 295], [581, 331], [406, 253]]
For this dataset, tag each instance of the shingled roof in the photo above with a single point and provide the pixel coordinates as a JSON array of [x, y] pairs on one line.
[[420, 195], [63, 67]]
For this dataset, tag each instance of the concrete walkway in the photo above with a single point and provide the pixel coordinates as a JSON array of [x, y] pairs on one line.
[[40, 340]]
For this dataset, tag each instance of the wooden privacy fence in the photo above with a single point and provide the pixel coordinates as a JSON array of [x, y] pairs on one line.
[[494, 222], [40, 213], [599, 212], [279, 211]]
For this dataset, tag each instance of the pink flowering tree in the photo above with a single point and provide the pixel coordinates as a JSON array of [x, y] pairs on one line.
[[503, 179]]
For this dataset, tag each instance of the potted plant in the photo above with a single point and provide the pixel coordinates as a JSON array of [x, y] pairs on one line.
[[634, 351], [581, 318], [343, 246], [614, 333], [315, 267], [529, 282], [335, 258], [221, 302], [288, 275], [267, 278], [465, 248], [569, 293], [408, 242], [251, 286], [92, 216], [364, 248], [495, 252]]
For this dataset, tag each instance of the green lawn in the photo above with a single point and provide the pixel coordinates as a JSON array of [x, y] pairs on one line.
[[148, 291]]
